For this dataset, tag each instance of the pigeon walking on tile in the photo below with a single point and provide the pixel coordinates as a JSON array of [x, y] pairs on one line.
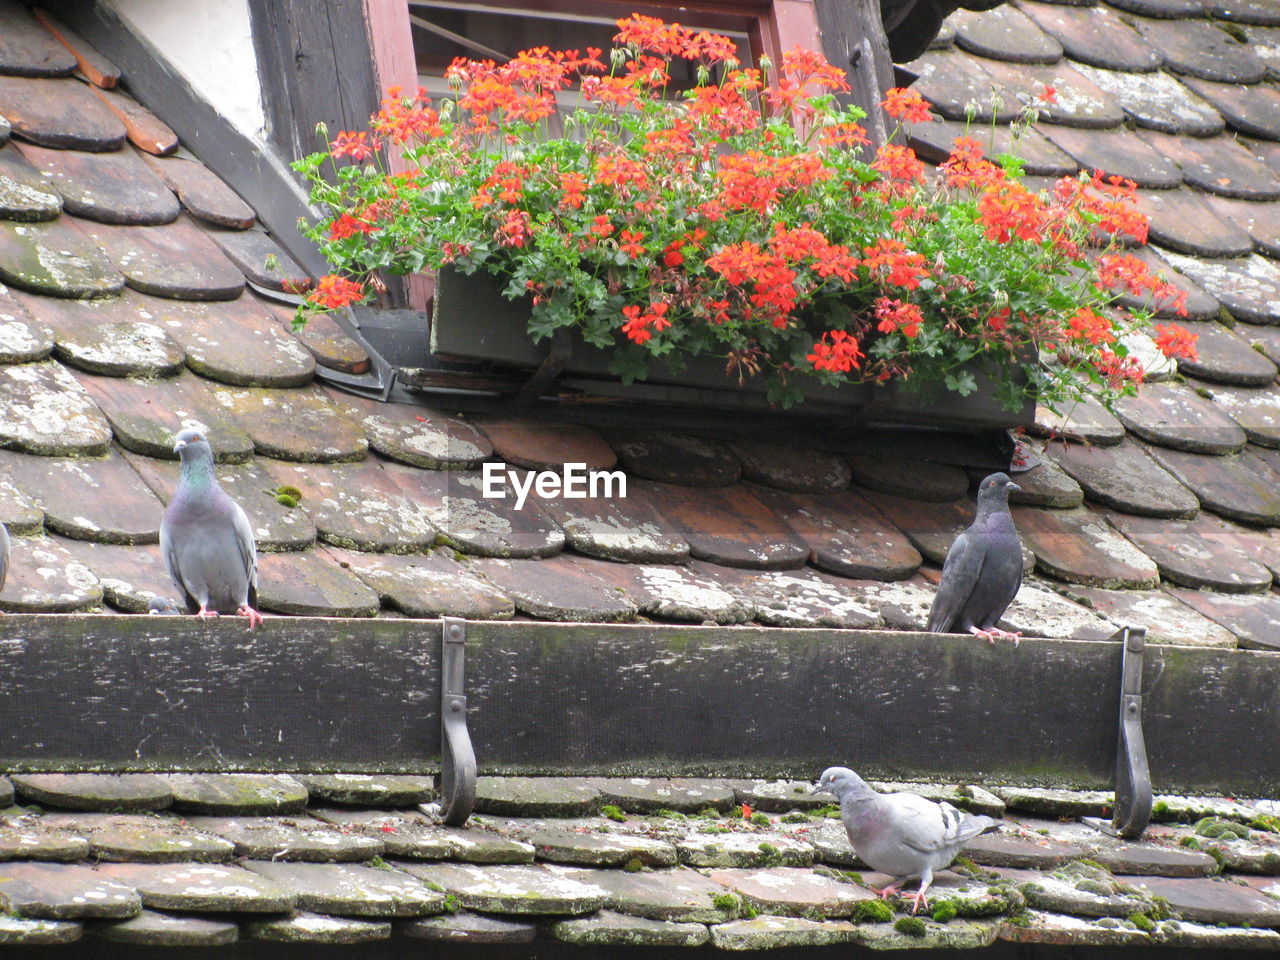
[[983, 569], [206, 539], [901, 834]]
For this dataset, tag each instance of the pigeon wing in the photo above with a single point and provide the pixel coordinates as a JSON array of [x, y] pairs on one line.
[[930, 827], [247, 549], [960, 574], [169, 550], [5, 551]]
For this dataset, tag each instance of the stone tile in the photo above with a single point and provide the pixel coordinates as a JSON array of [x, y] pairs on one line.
[[140, 838], [1241, 488], [301, 425], [151, 928], [528, 889], [673, 458], [606, 929], [1096, 36], [1084, 889], [1054, 929], [59, 113], [728, 526], [789, 891], [1149, 860], [649, 794], [584, 843], [22, 339], [29, 837], [1249, 287], [1038, 611], [475, 846], [28, 50], [18, 512], [768, 933], [1087, 421], [938, 482], [1199, 49], [1226, 356], [305, 927], [1078, 546], [1004, 33], [350, 890], [779, 796], [265, 263], [626, 529], [800, 598], [792, 469], [94, 791], [45, 578], [1181, 933], [674, 592], [368, 790], [1125, 477], [146, 415], [536, 445], [467, 927], [276, 527], [280, 838], [934, 140], [1188, 809], [239, 342], [953, 81], [1213, 901], [1056, 803], [1252, 110], [1218, 165], [24, 194], [903, 605], [356, 506], [1078, 103], [202, 192], [1166, 619], [428, 586], [1195, 553], [1173, 416], [845, 534], [144, 129], [680, 895], [1183, 221], [474, 524], [55, 258], [561, 588], [105, 336], [402, 833], [113, 187], [201, 888], [1253, 618], [536, 796], [64, 891], [744, 850], [236, 794], [1117, 152], [174, 260], [1261, 221]]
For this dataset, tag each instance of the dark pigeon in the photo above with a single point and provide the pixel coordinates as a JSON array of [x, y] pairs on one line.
[[901, 834], [983, 569], [206, 539]]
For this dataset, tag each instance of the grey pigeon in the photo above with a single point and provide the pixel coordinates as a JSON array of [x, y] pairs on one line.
[[163, 607], [5, 552], [206, 539], [901, 834], [983, 569]]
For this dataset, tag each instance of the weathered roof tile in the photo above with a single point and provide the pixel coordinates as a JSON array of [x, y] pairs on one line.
[[100, 71], [935, 140], [95, 791], [1195, 553], [1125, 477], [924, 480], [45, 578], [1094, 36], [1117, 152], [1252, 109], [201, 887], [795, 598], [202, 192], [54, 258], [419, 436], [613, 527], [562, 588], [1256, 411], [1078, 102], [301, 425], [142, 838], [536, 446], [1249, 287], [144, 129], [1241, 487], [24, 194], [605, 929], [1253, 617], [1214, 901], [1226, 356], [1182, 220], [1087, 421], [152, 928], [1218, 165], [531, 889], [129, 576], [1261, 221], [675, 458], [175, 260], [309, 584], [59, 113], [236, 794], [467, 927], [306, 927], [1174, 416], [113, 187], [1157, 101], [673, 592], [788, 468], [280, 838], [368, 790], [65, 891], [27, 49], [1005, 33], [788, 891], [1167, 620], [952, 81], [1040, 611], [767, 933], [262, 261], [1079, 547], [1200, 49], [430, 585]]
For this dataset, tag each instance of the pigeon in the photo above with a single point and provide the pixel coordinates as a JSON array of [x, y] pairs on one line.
[[206, 540], [5, 550], [901, 834], [983, 569], [163, 607]]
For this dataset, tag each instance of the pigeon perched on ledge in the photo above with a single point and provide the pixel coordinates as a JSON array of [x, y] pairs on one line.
[[5, 552], [983, 569], [901, 834], [206, 539]]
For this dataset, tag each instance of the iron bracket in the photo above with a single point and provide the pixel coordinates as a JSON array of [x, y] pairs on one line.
[[457, 757], [556, 360], [1132, 810]]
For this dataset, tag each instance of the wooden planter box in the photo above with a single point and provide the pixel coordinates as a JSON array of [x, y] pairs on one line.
[[472, 321]]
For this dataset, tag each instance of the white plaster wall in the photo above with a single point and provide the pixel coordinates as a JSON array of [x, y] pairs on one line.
[[210, 43]]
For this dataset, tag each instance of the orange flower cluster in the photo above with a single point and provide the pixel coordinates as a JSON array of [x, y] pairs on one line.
[[673, 40], [836, 352], [640, 326], [895, 264], [756, 181], [1176, 342], [894, 315], [906, 105], [355, 145], [404, 118], [333, 292]]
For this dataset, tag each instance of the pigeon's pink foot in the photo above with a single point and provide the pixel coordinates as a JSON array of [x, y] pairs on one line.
[[884, 893], [918, 901], [202, 613], [987, 635], [255, 618]]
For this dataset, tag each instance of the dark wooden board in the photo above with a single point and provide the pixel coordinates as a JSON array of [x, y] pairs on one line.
[[136, 693]]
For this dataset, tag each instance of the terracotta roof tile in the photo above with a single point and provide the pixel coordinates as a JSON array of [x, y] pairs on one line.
[[47, 412], [1087, 421], [209, 888], [310, 585], [1125, 477], [796, 598], [535, 446], [1225, 356], [306, 927], [1079, 102], [1218, 165], [801, 471], [1249, 287], [100, 71], [114, 187], [1253, 618], [328, 342], [1185, 221], [1199, 49], [1261, 12], [55, 258], [628, 528], [952, 81], [1195, 553], [1095, 36], [1173, 415], [24, 194], [22, 338], [27, 48], [174, 260], [129, 576], [1200, 305], [263, 261], [1166, 619], [1044, 485], [1005, 33], [930, 526], [1079, 547], [302, 424], [1252, 109], [1157, 101], [204, 195], [1117, 153], [419, 436], [59, 113], [921, 479], [1261, 221], [144, 129], [562, 588], [934, 141], [1257, 412], [673, 458], [1242, 487], [674, 592]]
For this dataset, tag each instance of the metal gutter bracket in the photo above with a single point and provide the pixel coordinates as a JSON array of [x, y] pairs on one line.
[[457, 758], [1133, 777], [557, 359]]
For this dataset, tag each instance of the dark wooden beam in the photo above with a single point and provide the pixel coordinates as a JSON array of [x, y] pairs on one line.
[[853, 39], [137, 693], [315, 64]]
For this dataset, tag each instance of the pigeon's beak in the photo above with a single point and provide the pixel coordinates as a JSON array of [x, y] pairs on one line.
[[816, 788], [1012, 487], [177, 447]]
